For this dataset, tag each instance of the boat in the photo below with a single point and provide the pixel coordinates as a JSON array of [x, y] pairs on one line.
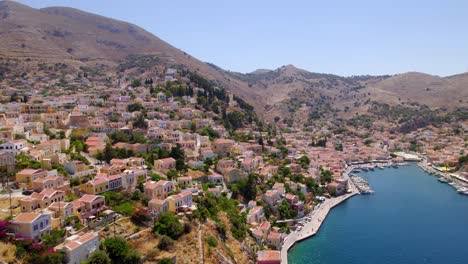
[[395, 166], [371, 168], [381, 167], [442, 179], [364, 169]]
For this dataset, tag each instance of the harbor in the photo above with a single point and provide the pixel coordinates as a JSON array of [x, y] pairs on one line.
[[357, 185], [311, 228], [458, 183], [318, 216], [342, 238]]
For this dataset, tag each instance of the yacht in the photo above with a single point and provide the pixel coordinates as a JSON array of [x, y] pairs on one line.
[[442, 179]]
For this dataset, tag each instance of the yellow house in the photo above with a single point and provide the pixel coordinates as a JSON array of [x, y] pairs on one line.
[[26, 177], [96, 186], [176, 201]]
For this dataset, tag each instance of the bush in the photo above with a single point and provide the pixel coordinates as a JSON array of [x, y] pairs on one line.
[[126, 208], [98, 257], [169, 225], [165, 261], [165, 243], [53, 238], [140, 216], [119, 250], [187, 228], [212, 242]]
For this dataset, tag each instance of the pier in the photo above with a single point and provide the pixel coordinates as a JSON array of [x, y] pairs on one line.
[[361, 184]]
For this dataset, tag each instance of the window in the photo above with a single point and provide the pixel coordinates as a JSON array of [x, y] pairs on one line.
[[35, 228]]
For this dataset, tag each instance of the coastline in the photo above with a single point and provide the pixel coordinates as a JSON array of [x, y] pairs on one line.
[[311, 228], [318, 217]]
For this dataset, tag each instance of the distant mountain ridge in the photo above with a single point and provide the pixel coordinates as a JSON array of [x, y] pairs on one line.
[[71, 35]]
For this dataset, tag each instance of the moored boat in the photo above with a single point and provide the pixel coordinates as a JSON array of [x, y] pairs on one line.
[[442, 179]]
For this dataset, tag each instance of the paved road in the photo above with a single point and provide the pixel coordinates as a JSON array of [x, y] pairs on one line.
[[91, 160]]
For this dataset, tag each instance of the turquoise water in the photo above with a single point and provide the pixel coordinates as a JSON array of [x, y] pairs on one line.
[[411, 218]]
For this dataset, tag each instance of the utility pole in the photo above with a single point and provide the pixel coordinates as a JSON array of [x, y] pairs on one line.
[[114, 224], [60, 215]]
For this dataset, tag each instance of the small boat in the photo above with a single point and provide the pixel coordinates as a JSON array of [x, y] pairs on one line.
[[371, 168], [381, 167], [395, 166], [364, 169], [442, 179]]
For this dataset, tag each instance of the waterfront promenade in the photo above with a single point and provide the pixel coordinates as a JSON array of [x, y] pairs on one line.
[[317, 217]]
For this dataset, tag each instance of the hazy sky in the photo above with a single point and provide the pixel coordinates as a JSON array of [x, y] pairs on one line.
[[343, 37]]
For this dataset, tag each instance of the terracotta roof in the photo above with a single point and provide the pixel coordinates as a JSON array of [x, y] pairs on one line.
[[167, 160], [30, 171], [269, 255], [274, 235], [59, 205], [87, 198], [157, 201], [50, 192], [26, 217], [215, 175]]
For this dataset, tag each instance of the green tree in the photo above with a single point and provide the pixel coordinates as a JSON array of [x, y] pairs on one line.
[[53, 238], [98, 257], [178, 154], [172, 174], [165, 242], [165, 261], [136, 83], [169, 225], [134, 107], [53, 258], [108, 152], [212, 241], [119, 250], [285, 210], [326, 176]]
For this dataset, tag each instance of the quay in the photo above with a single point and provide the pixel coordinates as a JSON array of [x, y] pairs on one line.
[[321, 211], [318, 217]]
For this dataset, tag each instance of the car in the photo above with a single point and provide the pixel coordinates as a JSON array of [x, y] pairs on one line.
[[27, 192]]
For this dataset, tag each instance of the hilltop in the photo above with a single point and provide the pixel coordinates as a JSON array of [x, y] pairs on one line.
[[80, 39]]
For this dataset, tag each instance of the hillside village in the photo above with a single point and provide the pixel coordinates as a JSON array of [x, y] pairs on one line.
[[160, 158], [153, 161]]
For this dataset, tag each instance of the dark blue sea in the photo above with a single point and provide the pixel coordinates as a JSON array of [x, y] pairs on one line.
[[410, 219]]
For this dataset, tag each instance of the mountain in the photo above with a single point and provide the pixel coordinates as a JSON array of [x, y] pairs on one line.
[[433, 91], [60, 34]]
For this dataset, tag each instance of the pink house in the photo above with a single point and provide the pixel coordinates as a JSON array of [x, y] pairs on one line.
[[165, 165]]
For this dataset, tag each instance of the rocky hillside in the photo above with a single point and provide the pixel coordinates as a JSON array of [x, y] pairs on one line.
[[65, 35], [60, 34]]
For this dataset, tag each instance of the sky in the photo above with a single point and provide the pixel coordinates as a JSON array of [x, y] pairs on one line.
[[340, 37]]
